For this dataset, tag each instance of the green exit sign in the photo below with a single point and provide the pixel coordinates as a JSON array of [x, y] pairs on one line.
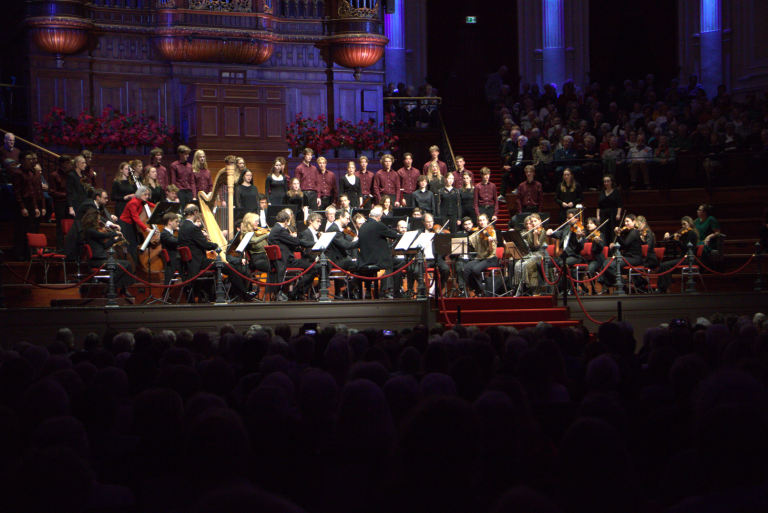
[[471, 19]]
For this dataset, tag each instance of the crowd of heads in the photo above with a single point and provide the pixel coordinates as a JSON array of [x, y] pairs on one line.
[[335, 419]]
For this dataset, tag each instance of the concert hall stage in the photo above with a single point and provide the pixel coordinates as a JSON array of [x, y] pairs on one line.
[[39, 325]]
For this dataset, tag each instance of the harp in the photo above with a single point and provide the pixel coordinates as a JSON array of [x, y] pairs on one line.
[[207, 202]]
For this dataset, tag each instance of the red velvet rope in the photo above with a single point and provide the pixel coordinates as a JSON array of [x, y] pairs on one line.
[[257, 282], [576, 293], [677, 266], [605, 268], [55, 287], [726, 274], [369, 278], [544, 273], [153, 285]]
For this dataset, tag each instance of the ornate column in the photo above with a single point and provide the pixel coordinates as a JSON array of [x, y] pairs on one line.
[[553, 41], [711, 41], [394, 54]]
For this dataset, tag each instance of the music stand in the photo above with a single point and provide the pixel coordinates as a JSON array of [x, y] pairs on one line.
[[364, 211], [162, 208], [273, 210], [320, 246], [391, 222], [402, 211]]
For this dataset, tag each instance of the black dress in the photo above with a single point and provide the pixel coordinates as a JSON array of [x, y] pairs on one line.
[[300, 202], [468, 203], [609, 206], [650, 261], [275, 189], [575, 196], [247, 197], [120, 189], [156, 194], [352, 191]]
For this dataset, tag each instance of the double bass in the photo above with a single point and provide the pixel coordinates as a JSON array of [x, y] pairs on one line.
[[149, 256]]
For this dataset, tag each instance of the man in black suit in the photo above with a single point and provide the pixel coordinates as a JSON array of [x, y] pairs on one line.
[[170, 243], [338, 250], [431, 258], [281, 237], [374, 248], [191, 236], [513, 165]]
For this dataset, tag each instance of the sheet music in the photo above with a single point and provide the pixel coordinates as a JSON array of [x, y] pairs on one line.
[[406, 241], [243, 243], [146, 242], [425, 241], [324, 241]]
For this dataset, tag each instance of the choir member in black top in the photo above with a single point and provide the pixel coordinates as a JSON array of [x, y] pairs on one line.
[[246, 193], [449, 205], [123, 188], [100, 240], [76, 193], [423, 197], [568, 194], [295, 196], [350, 185], [467, 192], [276, 184], [609, 206], [631, 250], [686, 235], [156, 192]]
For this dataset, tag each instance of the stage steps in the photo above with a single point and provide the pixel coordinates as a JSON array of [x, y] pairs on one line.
[[519, 312]]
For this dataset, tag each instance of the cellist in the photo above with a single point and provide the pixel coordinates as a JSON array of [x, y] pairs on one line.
[[132, 226]]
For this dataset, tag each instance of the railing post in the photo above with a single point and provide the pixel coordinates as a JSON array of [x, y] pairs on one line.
[[324, 279], [690, 284], [547, 266], [758, 258], [221, 294], [619, 264], [566, 281], [421, 289], [112, 268]]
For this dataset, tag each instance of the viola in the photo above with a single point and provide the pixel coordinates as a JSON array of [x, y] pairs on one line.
[[681, 232]]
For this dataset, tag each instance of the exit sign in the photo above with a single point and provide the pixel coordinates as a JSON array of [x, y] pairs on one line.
[[471, 19]]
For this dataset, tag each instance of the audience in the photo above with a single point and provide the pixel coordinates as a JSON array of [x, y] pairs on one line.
[[545, 419]]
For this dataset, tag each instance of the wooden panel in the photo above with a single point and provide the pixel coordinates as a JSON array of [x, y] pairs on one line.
[[192, 120], [252, 121], [209, 92], [110, 94], [274, 94], [311, 104], [74, 95], [370, 101], [241, 93], [348, 104], [209, 121], [150, 100], [275, 122], [232, 121]]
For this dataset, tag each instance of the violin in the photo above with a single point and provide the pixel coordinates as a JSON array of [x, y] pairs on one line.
[[439, 229], [488, 234], [577, 227], [594, 236], [349, 232], [681, 232], [103, 229], [643, 234]]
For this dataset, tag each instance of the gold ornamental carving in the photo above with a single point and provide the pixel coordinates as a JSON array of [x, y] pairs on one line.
[[221, 5], [267, 6], [166, 4], [346, 10]]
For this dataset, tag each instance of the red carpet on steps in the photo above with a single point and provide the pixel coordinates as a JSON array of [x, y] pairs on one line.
[[520, 312]]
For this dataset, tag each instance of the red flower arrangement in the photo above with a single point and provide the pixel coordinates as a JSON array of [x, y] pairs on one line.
[[364, 136], [113, 129]]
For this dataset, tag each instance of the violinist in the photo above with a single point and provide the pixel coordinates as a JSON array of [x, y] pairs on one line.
[[572, 238], [339, 249], [431, 259], [263, 206], [131, 224], [528, 267], [686, 235], [281, 236], [596, 258], [399, 260], [649, 239], [170, 243], [631, 250], [486, 256], [257, 245], [460, 261], [311, 234], [100, 239]]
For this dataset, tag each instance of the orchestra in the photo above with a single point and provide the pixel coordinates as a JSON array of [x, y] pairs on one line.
[[407, 201]]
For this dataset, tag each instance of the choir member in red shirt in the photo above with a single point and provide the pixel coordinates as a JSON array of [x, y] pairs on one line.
[[183, 177], [435, 152], [203, 182], [307, 175], [366, 182], [327, 187], [486, 201], [29, 203], [387, 181], [155, 157], [409, 180]]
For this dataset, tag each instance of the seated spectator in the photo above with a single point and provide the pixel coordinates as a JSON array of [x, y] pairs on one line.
[[639, 159], [567, 156]]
